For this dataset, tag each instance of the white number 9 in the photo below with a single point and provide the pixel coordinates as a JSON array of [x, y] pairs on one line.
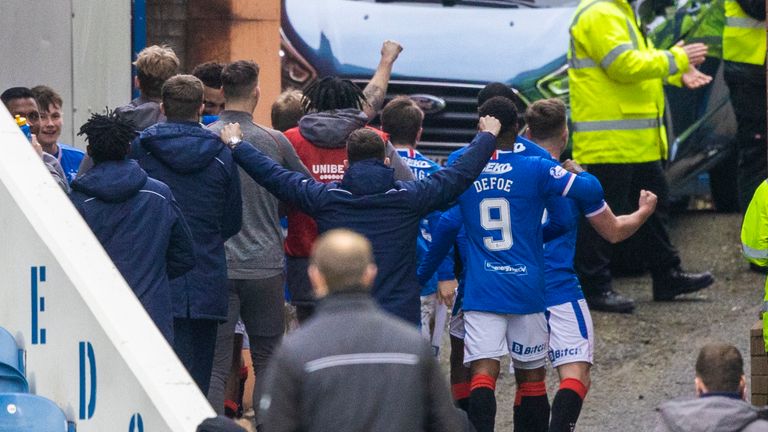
[[502, 224]]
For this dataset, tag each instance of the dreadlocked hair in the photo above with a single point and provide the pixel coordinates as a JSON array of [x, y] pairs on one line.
[[332, 93], [109, 136]]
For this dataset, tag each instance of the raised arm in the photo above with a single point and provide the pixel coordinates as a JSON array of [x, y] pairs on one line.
[[443, 187], [611, 227], [376, 90], [619, 228], [288, 186]]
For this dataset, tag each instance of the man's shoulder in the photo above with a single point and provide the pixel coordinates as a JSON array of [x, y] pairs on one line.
[[158, 187], [68, 149]]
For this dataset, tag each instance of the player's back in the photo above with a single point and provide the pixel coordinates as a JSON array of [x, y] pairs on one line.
[[502, 214]]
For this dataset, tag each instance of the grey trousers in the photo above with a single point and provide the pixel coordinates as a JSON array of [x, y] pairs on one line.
[[259, 302]]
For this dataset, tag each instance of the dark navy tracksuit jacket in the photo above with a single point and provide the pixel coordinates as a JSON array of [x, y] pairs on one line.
[[142, 229], [199, 169], [368, 200]]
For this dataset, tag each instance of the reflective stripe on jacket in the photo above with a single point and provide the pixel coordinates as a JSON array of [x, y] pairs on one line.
[[754, 239], [617, 97], [743, 36]]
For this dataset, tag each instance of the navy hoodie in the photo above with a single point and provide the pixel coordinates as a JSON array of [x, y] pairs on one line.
[[369, 200], [142, 229], [200, 171]]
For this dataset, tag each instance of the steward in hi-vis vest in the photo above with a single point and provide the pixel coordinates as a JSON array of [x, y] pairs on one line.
[[754, 239], [617, 111]]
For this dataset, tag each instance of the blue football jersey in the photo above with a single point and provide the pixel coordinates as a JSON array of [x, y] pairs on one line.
[[562, 284], [502, 213], [422, 167]]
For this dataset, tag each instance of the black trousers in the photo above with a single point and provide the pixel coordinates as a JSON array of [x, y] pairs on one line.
[[747, 86], [650, 246]]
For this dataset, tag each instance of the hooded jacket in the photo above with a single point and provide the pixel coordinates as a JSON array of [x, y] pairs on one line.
[[320, 141], [142, 112], [199, 169], [709, 414], [142, 229], [369, 200]]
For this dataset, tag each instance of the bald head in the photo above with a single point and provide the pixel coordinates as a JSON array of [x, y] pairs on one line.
[[341, 260]]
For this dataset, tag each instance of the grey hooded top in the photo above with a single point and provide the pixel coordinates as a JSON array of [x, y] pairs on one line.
[[709, 414]]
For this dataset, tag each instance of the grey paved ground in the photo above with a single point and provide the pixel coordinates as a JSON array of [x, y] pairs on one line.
[[646, 358]]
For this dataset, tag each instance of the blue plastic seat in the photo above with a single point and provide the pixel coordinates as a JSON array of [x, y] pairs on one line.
[[11, 381], [10, 354], [30, 413]]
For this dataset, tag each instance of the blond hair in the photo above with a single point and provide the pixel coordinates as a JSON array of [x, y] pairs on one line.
[[154, 65], [287, 110]]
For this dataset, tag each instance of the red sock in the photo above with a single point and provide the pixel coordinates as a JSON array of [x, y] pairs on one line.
[[481, 380], [482, 403], [566, 406], [575, 385], [531, 410]]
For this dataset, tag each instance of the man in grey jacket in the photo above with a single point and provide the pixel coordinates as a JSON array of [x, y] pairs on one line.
[[255, 257], [351, 367], [720, 405]]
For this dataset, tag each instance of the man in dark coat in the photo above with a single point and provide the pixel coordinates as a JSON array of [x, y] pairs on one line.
[[352, 367], [369, 200], [199, 169], [135, 218]]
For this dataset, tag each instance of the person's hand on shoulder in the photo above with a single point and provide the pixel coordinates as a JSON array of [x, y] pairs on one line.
[[390, 50], [573, 166], [231, 135], [489, 124]]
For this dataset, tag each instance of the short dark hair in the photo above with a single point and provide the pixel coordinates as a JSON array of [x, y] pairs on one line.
[[546, 118], [239, 78], [45, 97], [332, 93], [182, 97], [364, 144], [720, 367], [287, 110], [504, 110], [16, 93], [209, 73], [401, 118], [493, 90], [109, 136], [154, 65]]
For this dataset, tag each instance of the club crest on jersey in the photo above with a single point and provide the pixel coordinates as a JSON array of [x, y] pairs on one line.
[[497, 168], [557, 172], [515, 269]]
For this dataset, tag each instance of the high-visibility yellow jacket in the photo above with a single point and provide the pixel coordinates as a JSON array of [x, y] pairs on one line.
[[754, 240], [743, 36], [615, 78]]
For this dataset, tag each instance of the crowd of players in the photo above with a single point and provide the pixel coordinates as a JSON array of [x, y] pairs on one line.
[[191, 216]]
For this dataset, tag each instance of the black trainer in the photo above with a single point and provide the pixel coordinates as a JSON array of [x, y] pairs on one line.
[[674, 282], [611, 301]]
